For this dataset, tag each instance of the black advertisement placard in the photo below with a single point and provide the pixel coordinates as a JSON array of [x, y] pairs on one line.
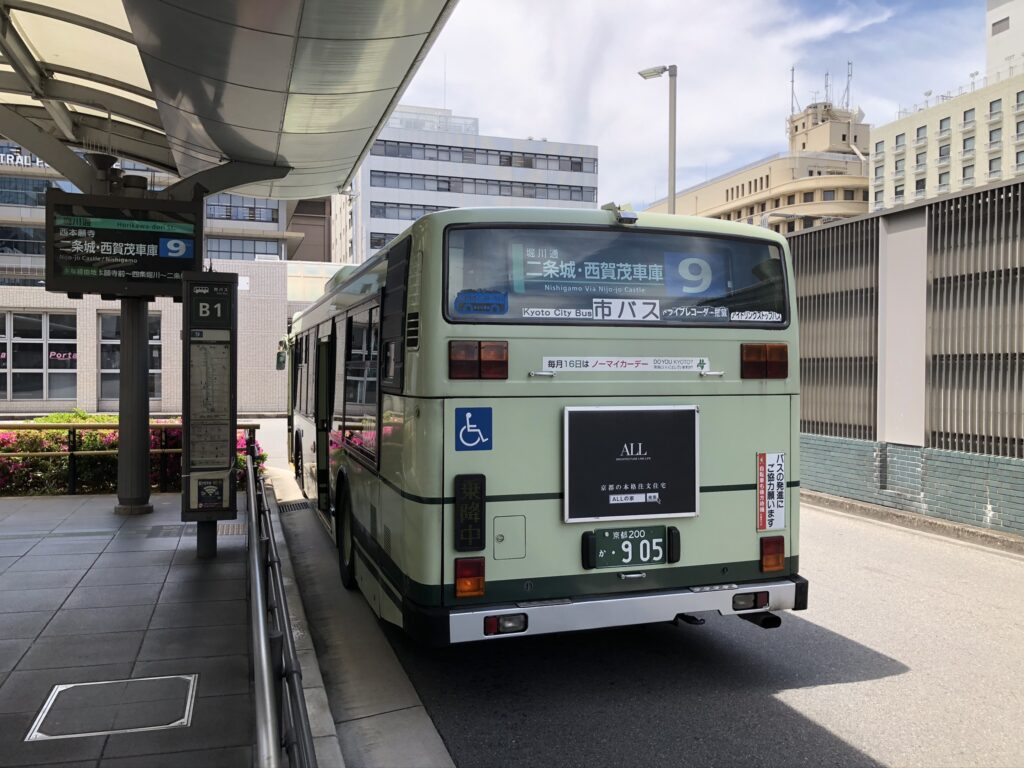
[[630, 462], [120, 246]]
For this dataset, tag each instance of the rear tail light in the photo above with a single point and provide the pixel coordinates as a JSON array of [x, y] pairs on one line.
[[505, 625], [764, 361], [493, 359], [749, 600], [477, 359], [469, 577], [463, 360], [773, 553]]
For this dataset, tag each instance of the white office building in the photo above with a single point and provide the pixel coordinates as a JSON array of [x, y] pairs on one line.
[[427, 160]]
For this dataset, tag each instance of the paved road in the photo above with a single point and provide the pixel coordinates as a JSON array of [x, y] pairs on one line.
[[911, 655]]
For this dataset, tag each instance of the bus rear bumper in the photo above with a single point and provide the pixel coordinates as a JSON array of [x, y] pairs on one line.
[[569, 615]]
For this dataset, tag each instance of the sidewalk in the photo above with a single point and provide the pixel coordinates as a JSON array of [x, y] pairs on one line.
[[87, 596]]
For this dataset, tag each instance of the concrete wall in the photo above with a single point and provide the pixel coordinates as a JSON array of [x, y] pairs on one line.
[[986, 491]]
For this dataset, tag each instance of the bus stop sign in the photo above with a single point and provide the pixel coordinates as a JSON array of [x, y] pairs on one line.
[[209, 413]]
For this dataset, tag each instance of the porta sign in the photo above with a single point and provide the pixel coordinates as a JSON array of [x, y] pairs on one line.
[[120, 246]]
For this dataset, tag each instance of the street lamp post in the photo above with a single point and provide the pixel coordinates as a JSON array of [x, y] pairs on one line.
[[648, 74]]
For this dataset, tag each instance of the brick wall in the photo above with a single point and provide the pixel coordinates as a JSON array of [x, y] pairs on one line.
[[987, 491]]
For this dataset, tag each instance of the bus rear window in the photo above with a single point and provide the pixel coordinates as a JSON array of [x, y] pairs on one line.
[[582, 276]]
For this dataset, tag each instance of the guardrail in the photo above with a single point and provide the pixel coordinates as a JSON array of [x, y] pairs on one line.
[[282, 721], [72, 453]]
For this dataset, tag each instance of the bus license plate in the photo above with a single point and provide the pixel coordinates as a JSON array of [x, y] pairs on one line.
[[619, 547]]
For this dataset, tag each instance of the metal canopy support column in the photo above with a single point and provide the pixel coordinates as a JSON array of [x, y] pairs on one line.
[[133, 429]]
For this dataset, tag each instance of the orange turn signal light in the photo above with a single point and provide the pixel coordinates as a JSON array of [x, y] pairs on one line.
[[773, 553], [469, 577]]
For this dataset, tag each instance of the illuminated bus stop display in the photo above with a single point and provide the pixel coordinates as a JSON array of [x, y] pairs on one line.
[[120, 246]]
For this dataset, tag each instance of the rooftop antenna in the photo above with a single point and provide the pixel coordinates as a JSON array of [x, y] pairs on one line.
[[794, 105], [849, 80], [444, 84], [826, 87], [927, 94]]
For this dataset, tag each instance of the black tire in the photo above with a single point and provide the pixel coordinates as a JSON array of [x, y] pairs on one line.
[[346, 546]]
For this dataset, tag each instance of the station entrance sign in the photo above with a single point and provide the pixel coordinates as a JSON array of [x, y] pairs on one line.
[[120, 246]]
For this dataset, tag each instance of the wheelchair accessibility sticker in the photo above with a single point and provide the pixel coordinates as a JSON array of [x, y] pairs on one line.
[[473, 429]]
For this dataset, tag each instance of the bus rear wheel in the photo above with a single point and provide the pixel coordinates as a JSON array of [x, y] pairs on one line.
[[346, 547]]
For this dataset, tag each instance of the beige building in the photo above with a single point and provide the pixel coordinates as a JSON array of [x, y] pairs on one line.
[[821, 178], [967, 137]]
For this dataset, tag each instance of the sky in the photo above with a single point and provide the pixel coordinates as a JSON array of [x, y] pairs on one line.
[[567, 70]]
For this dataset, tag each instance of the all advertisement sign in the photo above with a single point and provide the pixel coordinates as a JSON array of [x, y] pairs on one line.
[[120, 246], [631, 462]]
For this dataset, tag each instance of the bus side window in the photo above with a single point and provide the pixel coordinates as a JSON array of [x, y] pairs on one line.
[[340, 328], [393, 318], [361, 383]]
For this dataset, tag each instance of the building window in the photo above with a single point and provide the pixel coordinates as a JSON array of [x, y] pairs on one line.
[[995, 106], [995, 135], [808, 197], [1020, 127], [899, 191], [16, 190], [900, 164], [404, 211], [969, 115], [39, 354], [879, 196], [864, 195], [995, 164], [922, 132], [879, 146], [828, 195], [1000, 26], [919, 185], [879, 171], [944, 150], [449, 154], [246, 250], [241, 208], [968, 144], [944, 124], [469, 186], [901, 139], [791, 226], [1020, 98], [110, 357], [1020, 158], [921, 158], [379, 239], [848, 194], [944, 179], [968, 172], [791, 200]]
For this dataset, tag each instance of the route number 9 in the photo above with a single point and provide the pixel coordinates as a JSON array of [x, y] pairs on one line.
[[696, 275], [176, 248]]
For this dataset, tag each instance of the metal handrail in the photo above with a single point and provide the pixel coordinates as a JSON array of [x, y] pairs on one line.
[[282, 719]]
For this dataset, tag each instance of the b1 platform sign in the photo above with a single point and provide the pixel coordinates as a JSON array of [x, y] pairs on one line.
[[120, 246], [209, 386]]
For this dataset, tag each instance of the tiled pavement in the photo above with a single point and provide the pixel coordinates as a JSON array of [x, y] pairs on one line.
[[88, 596]]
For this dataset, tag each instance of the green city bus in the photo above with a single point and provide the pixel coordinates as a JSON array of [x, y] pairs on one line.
[[518, 421]]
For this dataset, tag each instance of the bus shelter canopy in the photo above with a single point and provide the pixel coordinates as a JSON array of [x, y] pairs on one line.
[[294, 90]]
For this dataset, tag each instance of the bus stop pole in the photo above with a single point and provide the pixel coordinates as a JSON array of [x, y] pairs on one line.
[[133, 422]]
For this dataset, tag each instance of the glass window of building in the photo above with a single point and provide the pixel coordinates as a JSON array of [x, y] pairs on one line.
[[995, 106], [944, 179], [968, 144], [879, 146], [900, 164], [1020, 98], [1020, 158], [1020, 128], [791, 200], [879, 196], [919, 185], [379, 239], [849, 194], [944, 150], [922, 132], [241, 208], [18, 190], [995, 135], [969, 115], [899, 191], [968, 172], [901, 139], [110, 356], [30, 241], [995, 164], [879, 171], [921, 158], [38, 356], [244, 250], [828, 195], [808, 197], [944, 124]]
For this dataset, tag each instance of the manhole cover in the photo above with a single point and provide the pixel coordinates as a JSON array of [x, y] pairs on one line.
[[115, 706], [293, 506]]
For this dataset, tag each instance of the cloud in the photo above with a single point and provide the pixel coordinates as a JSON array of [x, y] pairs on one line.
[[566, 71]]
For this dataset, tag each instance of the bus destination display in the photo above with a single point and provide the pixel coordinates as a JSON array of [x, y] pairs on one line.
[[120, 246]]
